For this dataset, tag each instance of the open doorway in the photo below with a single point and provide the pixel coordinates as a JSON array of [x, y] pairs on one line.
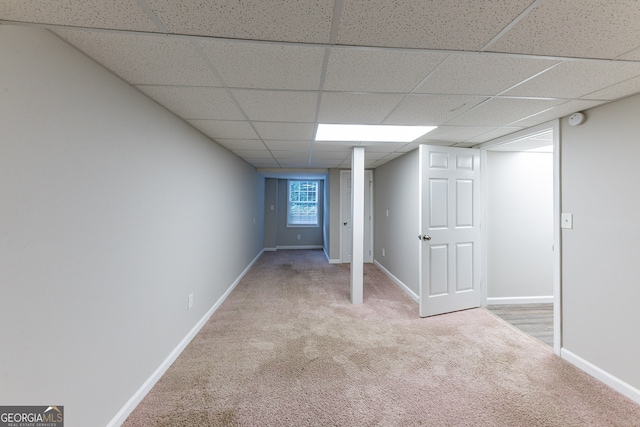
[[520, 238]]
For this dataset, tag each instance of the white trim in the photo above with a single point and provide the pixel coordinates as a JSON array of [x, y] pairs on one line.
[[317, 203], [602, 375], [520, 300], [557, 240], [397, 281], [146, 387], [421, 150], [300, 247], [484, 231], [270, 249], [331, 261]]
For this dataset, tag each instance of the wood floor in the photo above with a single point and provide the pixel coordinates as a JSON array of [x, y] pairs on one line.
[[533, 319]]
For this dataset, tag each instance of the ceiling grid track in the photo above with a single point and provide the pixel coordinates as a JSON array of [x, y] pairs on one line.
[[230, 93]]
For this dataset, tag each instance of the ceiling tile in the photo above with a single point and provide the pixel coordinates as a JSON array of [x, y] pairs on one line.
[[408, 147], [563, 110], [294, 163], [481, 74], [378, 70], [115, 14], [503, 111], [254, 154], [225, 129], [358, 108], [193, 103], [144, 59], [343, 147], [263, 163], [284, 131], [306, 21], [330, 155], [496, 133], [431, 110], [265, 65], [291, 154], [325, 164], [573, 79], [459, 25], [241, 144], [575, 28], [633, 55], [620, 90], [453, 134], [276, 145], [270, 105], [382, 147]]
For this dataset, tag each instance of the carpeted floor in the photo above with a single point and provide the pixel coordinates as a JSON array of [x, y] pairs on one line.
[[288, 349]]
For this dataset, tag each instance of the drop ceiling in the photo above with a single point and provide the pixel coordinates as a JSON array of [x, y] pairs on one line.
[[257, 76]]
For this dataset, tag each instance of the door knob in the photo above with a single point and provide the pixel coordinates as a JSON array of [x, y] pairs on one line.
[[425, 237], [344, 223]]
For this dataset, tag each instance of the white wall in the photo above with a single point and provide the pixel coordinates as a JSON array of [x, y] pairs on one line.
[[519, 206], [334, 216], [112, 211], [271, 215], [600, 267], [396, 190]]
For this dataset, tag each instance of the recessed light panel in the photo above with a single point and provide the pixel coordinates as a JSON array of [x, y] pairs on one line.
[[370, 133]]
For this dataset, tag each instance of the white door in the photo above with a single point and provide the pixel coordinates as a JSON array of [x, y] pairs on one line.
[[450, 229], [346, 230]]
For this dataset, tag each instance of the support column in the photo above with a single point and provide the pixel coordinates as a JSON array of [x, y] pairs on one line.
[[357, 220]]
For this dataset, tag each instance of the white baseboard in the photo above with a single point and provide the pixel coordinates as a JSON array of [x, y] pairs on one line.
[[335, 261], [300, 247], [146, 387], [270, 249], [520, 300], [600, 374], [398, 282]]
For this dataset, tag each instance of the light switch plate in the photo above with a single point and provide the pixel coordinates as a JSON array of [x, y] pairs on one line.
[[566, 220]]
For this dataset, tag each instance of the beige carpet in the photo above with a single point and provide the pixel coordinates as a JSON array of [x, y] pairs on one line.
[[288, 349]]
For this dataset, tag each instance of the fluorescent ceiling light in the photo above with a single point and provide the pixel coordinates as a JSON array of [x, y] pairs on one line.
[[371, 133]]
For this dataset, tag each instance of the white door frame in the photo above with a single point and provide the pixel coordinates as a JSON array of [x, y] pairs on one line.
[[368, 174], [557, 241]]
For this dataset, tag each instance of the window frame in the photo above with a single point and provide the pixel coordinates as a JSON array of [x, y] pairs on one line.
[[290, 223]]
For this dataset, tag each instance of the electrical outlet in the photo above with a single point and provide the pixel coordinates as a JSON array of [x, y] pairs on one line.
[[299, 237], [190, 301], [383, 252]]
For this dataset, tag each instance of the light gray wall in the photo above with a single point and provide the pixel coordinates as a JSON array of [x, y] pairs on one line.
[[287, 236], [112, 211], [600, 267], [326, 209], [334, 220], [271, 213], [396, 190], [519, 208]]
